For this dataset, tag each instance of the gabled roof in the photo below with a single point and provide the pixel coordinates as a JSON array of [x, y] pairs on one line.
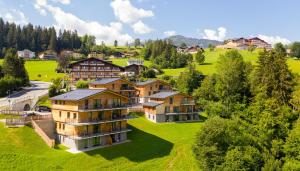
[[108, 80], [92, 58], [78, 94], [149, 82], [81, 94], [105, 81], [164, 94], [151, 104]]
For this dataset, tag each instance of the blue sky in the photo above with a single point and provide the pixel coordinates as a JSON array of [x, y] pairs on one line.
[[124, 20]]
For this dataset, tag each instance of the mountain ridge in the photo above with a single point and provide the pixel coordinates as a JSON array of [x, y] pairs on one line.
[[177, 40]]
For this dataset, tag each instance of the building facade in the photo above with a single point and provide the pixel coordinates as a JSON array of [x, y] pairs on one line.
[[118, 85], [87, 119], [170, 106], [150, 87], [26, 54], [92, 69]]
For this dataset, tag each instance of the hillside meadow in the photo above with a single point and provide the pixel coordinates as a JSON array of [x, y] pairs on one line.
[[45, 70], [165, 146]]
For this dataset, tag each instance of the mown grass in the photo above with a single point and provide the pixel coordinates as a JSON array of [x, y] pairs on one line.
[[46, 69], [152, 147]]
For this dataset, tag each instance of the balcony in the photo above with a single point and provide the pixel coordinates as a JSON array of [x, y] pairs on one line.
[[86, 135], [187, 102], [183, 112], [103, 107], [127, 89], [94, 121]]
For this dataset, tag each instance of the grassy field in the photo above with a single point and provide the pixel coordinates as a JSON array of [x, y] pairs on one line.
[[46, 69], [152, 147]]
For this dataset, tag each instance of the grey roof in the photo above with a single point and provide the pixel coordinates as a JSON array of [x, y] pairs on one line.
[[164, 94], [145, 82], [78, 94], [105, 80], [151, 104]]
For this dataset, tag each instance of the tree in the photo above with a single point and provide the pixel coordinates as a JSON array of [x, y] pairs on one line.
[[14, 67], [295, 49], [82, 84], [1, 73], [52, 44], [273, 77], [251, 48], [232, 84], [149, 73], [189, 80], [211, 47], [63, 61], [116, 43], [56, 88], [216, 139], [137, 42], [200, 57], [183, 45]]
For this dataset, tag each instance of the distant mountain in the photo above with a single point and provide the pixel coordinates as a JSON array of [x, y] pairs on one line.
[[178, 40]]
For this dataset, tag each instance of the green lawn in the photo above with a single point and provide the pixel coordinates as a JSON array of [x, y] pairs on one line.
[[47, 68], [152, 147]]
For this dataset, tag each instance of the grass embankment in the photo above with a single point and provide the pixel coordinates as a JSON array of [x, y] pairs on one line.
[[153, 146]]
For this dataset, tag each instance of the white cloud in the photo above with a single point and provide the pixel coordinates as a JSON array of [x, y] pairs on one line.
[[65, 2], [219, 34], [170, 33], [274, 39], [13, 15], [127, 13], [106, 33], [140, 28]]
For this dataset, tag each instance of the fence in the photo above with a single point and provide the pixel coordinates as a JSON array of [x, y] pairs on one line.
[[12, 112], [12, 122], [50, 142]]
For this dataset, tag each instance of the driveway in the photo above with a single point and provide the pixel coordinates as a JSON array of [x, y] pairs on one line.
[[37, 89]]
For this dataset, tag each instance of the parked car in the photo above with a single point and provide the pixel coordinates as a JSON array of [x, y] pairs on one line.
[[43, 109]]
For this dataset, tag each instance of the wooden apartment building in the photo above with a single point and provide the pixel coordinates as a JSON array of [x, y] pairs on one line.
[[170, 106], [147, 88], [92, 69], [90, 118], [118, 85]]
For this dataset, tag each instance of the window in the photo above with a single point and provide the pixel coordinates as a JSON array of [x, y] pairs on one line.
[[68, 115], [113, 86], [97, 103], [167, 109], [171, 100], [149, 93], [74, 115], [116, 102], [60, 114], [101, 115], [55, 102], [150, 88], [63, 126]]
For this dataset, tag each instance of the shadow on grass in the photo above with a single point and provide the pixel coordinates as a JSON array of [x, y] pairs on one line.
[[206, 63], [143, 146]]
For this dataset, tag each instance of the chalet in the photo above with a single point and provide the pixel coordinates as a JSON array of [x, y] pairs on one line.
[[26, 54], [243, 44], [170, 106], [193, 49], [130, 54], [118, 85], [117, 55], [77, 55], [48, 55], [134, 70], [259, 43], [135, 61], [96, 55], [86, 119], [92, 69], [147, 88]]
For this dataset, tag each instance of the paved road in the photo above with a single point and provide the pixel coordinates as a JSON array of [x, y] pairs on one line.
[[37, 89]]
